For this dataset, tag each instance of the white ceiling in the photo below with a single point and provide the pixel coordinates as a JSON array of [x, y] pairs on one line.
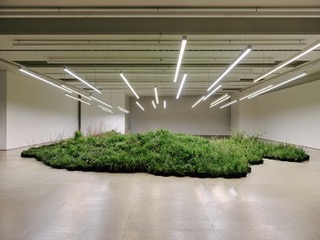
[[149, 60]]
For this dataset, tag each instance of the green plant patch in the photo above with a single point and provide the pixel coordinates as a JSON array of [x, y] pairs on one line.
[[163, 153]]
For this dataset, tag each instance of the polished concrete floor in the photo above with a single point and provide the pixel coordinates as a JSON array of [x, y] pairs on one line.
[[277, 200]]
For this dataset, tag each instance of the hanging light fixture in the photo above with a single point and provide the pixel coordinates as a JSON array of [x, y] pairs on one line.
[[183, 46], [181, 85], [228, 104], [78, 99], [98, 100], [129, 85], [197, 102], [139, 105], [80, 79]]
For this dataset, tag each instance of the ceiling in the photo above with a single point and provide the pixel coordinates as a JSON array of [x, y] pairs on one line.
[[147, 54]]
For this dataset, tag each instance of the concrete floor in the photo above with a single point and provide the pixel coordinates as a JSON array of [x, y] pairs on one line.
[[278, 200]]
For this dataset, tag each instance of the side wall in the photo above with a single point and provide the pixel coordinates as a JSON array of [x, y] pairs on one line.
[[95, 121], [37, 112], [179, 116], [3, 110], [290, 115]]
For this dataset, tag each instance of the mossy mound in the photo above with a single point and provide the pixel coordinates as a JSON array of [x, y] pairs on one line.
[[159, 152]]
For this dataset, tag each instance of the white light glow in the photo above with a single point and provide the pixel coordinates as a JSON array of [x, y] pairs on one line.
[[128, 84], [154, 105], [80, 79], [98, 100], [164, 104], [78, 99], [139, 105], [232, 65], [181, 85], [183, 46], [197, 102], [220, 100], [228, 104], [123, 110], [82, 95], [306, 51], [156, 94], [213, 91]]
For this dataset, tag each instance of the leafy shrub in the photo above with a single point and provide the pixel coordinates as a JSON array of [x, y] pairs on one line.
[[162, 153]]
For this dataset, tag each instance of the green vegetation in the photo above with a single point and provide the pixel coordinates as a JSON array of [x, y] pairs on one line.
[[163, 153]]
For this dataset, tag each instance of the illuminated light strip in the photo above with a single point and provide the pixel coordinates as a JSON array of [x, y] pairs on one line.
[[123, 110], [216, 89], [218, 102], [105, 109], [82, 95], [80, 79], [261, 90], [232, 65], [42, 79], [78, 99], [220, 98], [98, 100], [181, 85], [197, 102], [228, 104], [278, 85], [156, 95], [164, 104], [139, 105], [306, 51], [183, 46], [154, 105], [131, 88]]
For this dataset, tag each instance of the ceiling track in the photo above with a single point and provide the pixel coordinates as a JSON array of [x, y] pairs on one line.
[[191, 12]]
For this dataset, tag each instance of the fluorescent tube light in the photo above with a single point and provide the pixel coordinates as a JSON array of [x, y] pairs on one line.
[[98, 100], [42, 79], [232, 65], [216, 89], [164, 104], [290, 60], [278, 85], [228, 104], [156, 94], [123, 110], [78, 99], [105, 109], [220, 100], [82, 95], [183, 46], [139, 105], [154, 105], [197, 102], [181, 85], [80, 79], [126, 81], [261, 90]]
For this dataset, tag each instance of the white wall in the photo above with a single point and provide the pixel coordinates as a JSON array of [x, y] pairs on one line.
[[179, 116], [37, 112], [290, 115], [94, 120], [3, 110]]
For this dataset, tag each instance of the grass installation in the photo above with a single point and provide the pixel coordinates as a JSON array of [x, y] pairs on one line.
[[163, 153]]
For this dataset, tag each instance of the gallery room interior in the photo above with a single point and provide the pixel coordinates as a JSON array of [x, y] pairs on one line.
[[202, 68]]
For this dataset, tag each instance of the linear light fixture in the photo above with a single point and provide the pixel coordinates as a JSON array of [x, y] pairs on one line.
[[82, 95], [80, 79], [105, 109], [156, 94], [98, 100], [154, 105], [42, 79], [228, 104], [131, 88], [197, 102], [181, 85], [78, 99], [290, 60], [164, 104], [123, 110], [213, 91], [278, 85], [220, 100], [183, 46], [232, 65], [256, 92], [139, 105]]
